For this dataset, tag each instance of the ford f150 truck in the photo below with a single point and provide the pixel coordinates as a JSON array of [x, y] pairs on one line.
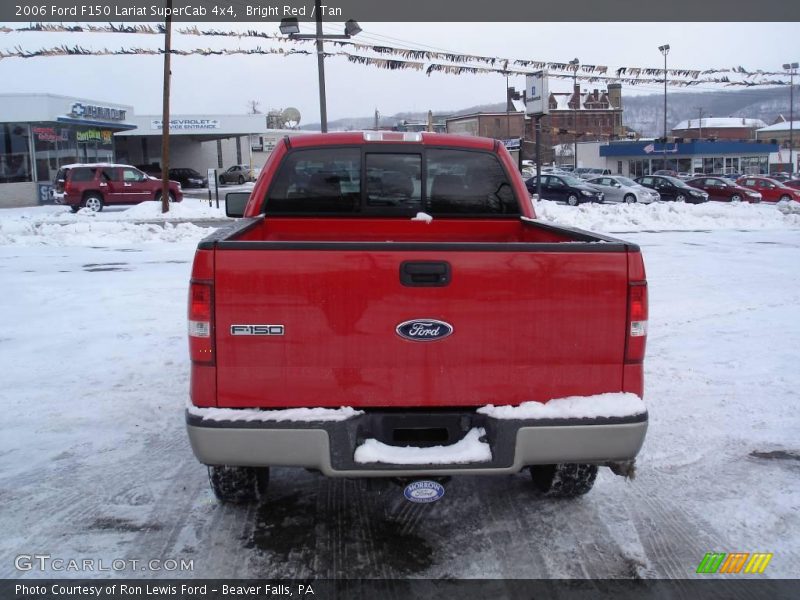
[[389, 306]]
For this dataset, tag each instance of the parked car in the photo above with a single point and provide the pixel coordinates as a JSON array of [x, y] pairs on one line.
[[723, 190], [783, 177], [237, 174], [622, 189], [591, 172], [672, 188], [188, 178], [667, 172], [152, 170], [770, 190], [567, 188], [793, 183], [95, 185]]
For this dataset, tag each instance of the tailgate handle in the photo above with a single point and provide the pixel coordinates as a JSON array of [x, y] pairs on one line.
[[425, 273]]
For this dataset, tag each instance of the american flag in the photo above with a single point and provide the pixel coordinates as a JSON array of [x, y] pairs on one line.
[[649, 148]]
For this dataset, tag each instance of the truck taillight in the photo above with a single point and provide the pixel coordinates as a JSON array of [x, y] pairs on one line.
[[201, 348], [637, 322]]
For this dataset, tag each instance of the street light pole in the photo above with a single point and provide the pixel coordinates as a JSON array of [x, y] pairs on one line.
[[575, 62], [665, 50], [323, 108], [792, 69], [290, 26]]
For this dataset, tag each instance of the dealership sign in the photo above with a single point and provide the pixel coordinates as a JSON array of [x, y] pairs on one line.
[[91, 111], [186, 124], [537, 96]]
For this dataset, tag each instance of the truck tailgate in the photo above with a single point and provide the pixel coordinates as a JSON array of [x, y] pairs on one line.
[[527, 325]]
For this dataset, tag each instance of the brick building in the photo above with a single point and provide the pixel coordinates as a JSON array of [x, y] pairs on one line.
[[581, 116], [718, 128]]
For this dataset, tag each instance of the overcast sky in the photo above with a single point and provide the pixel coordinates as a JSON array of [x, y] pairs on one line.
[[225, 84]]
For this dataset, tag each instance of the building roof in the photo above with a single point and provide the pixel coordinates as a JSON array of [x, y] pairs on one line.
[[562, 100], [783, 126], [719, 123]]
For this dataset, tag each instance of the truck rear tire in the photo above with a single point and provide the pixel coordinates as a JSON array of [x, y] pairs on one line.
[[565, 480], [238, 485]]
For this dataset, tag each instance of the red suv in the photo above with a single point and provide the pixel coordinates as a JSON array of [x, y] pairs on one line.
[[770, 190], [96, 185]]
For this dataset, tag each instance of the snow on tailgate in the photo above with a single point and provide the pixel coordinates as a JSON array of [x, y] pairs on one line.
[[470, 449], [572, 407]]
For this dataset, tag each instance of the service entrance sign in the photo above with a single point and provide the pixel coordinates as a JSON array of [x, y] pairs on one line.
[[537, 95]]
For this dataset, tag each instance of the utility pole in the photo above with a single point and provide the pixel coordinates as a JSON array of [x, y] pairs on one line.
[[700, 121], [165, 112], [792, 67], [377, 118], [289, 26]]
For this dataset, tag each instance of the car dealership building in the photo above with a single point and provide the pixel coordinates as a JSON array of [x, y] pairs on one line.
[[41, 132]]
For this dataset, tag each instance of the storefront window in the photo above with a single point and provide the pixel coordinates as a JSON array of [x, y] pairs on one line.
[[754, 165], [732, 165], [95, 145], [684, 165], [15, 159], [54, 145]]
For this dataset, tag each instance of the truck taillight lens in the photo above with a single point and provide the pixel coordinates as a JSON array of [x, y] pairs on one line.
[[201, 348], [637, 322]]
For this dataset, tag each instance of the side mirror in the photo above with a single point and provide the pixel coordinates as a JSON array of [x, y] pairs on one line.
[[235, 203]]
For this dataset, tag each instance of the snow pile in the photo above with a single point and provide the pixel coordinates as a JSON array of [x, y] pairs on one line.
[[470, 449], [572, 407], [188, 209], [305, 415], [667, 216], [95, 233], [789, 208]]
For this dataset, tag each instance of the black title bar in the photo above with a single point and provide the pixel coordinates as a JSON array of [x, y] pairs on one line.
[[444, 11]]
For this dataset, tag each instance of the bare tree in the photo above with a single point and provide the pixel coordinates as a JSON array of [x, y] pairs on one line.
[[252, 107]]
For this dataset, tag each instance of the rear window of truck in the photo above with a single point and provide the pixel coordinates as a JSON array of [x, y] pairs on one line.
[[381, 181]]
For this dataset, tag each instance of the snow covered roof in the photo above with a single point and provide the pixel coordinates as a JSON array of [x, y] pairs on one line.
[[783, 126], [719, 123], [562, 100]]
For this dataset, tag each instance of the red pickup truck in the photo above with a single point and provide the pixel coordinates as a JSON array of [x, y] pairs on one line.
[[389, 306]]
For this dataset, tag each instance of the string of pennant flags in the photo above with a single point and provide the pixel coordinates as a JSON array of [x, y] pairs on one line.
[[420, 60]]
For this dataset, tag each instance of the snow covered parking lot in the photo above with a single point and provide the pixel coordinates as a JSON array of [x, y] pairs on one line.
[[95, 463]]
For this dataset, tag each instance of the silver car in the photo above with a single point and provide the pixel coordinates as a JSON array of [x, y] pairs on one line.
[[622, 189]]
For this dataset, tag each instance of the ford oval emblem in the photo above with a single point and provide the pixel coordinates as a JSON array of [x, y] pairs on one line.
[[424, 330], [423, 492]]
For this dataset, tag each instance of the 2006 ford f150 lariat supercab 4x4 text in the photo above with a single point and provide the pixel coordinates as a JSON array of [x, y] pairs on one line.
[[389, 306]]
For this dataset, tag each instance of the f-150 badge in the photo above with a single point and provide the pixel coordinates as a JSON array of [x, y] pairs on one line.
[[424, 330], [256, 329]]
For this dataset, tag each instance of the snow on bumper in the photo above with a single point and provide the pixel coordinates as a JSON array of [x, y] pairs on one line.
[[345, 448]]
